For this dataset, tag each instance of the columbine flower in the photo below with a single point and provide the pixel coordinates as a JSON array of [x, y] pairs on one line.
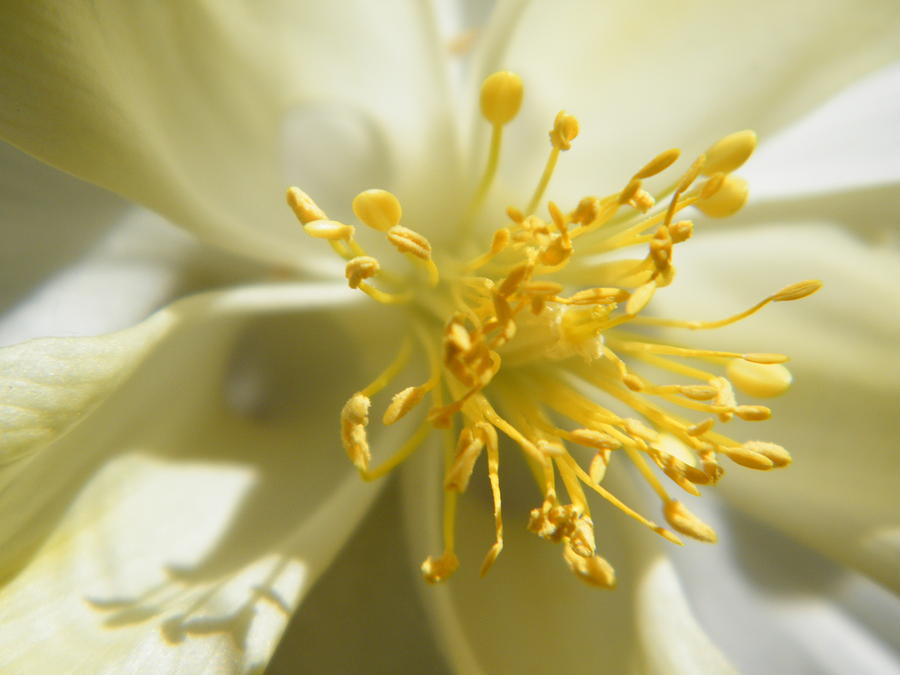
[[172, 490]]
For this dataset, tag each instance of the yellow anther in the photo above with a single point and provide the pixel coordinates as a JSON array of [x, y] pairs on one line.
[[361, 268], [501, 97], [594, 439], [303, 206], [713, 185], [796, 291], [328, 229], [598, 466], [642, 200], [633, 382], [500, 240], [687, 523], [691, 175], [730, 153], [698, 392], [758, 379], [515, 278], [515, 215], [764, 358], [595, 571], [403, 402], [551, 448], [639, 299], [596, 296], [747, 456], [379, 209], [728, 199], [636, 428], [565, 130], [435, 570], [630, 191], [658, 164], [681, 231], [354, 419], [753, 413], [587, 211], [701, 428], [409, 241], [775, 453], [468, 449], [542, 288], [557, 251]]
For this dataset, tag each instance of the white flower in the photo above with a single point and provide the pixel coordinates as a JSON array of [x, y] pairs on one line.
[[170, 492]]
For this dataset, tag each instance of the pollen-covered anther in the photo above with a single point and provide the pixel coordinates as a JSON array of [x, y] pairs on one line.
[[640, 298], [681, 231], [701, 427], [468, 449], [727, 200], [642, 200], [633, 382], [730, 152], [565, 130], [586, 212], [354, 419], [748, 457], [379, 209], [698, 392], [435, 570], [332, 230], [753, 413], [551, 448], [775, 453], [501, 97], [681, 519], [403, 402], [797, 291], [361, 268], [409, 241], [595, 570], [517, 276], [661, 248], [594, 439], [759, 379], [638, 429], [303, 206]]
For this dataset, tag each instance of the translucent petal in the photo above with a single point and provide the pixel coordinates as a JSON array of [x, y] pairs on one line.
[[179, 524]]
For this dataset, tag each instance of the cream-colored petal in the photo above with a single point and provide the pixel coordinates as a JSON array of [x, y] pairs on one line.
[[850, 142], [329, 631], [178, 525], [530, 614], [646, 76], [791, 601], [43, 234], [180, 106], [50, 384], [838, 496]]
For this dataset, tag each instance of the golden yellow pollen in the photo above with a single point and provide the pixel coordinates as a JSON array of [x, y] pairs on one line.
[[730, 152], [501, 97], [758, 379], [680, 518], [379, 209], [565, 129], [303, 206], [530, 325], [361, 268], [727, 200], [328, 229]]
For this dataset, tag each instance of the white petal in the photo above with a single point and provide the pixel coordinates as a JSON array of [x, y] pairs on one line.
[[646, 76], [839, 495], [179, 525], [180, 106], [48, 219], [853, 140], [792, 601], [530, 614]]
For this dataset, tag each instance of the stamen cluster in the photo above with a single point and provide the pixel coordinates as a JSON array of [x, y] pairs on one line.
[[540, 318]]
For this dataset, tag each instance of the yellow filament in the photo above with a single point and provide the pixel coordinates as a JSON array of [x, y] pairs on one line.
[[389, 373], [544, 182], [401, 455], [384, 297]]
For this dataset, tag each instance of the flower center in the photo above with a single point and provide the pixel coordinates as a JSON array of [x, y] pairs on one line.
[[523, 339]]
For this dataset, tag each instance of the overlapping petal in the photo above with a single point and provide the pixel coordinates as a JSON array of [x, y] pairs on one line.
[[646, 76], [180, 106]]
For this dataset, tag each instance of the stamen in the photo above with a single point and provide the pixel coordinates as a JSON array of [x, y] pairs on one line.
[[535, 320], [564, 131]]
